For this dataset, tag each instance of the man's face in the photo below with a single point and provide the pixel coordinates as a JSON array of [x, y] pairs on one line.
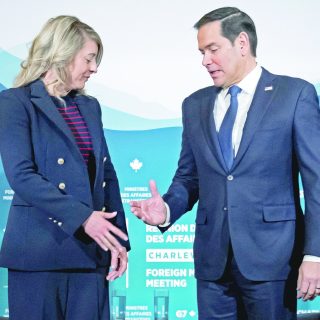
[[223, 60]]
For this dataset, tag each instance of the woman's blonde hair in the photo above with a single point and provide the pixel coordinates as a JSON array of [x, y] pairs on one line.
[[54, 48]]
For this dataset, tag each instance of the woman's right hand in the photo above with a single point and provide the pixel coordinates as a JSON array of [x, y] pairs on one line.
[[102, 231]]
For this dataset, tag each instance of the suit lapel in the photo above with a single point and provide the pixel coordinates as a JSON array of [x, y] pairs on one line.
[[209, 127], [262, 99]]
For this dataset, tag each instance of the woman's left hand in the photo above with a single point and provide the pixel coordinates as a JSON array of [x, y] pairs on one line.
[[119, 262]]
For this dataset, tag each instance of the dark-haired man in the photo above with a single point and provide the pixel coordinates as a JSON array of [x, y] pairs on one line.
[[244, 141]]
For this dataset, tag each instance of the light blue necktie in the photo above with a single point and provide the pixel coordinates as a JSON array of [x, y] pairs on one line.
[[225, 132]]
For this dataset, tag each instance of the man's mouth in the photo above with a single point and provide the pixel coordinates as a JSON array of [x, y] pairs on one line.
[[214, 73]]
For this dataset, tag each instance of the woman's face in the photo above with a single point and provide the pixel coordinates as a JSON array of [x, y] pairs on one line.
[[83, 65]]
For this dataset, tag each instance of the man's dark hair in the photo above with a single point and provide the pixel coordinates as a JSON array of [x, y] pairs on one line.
[[233, 22]]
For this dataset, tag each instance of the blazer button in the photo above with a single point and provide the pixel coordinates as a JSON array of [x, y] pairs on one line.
[[59, 224], [62, 186], [103, 184], [103, 209], [60, 161], [104, 159], [230, 178]]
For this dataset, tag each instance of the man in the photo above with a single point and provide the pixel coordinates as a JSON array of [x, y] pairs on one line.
[[244, 140]]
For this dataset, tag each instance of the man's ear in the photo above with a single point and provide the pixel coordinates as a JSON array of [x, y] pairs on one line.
[[243, 43]]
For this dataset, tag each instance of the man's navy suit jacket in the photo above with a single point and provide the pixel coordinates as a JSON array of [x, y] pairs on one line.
[[255, 205], [44, 229]]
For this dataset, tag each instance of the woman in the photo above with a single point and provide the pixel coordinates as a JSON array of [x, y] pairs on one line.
[[66, 233]]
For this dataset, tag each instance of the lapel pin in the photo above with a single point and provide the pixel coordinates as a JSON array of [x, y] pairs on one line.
[[268, 88]]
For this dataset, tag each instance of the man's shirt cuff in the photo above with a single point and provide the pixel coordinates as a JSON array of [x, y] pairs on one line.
[[167, 222], [308, 257]]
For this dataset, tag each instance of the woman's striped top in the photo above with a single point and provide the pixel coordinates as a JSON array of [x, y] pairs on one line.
[[71, 114]]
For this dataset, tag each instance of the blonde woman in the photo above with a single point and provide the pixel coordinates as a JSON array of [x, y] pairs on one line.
[[66, 235]]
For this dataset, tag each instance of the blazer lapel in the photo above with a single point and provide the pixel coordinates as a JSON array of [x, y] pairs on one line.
[[262, 99], [42, 101], [209, 127]]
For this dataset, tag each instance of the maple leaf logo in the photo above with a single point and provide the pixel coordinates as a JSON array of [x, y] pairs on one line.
[[136, 165]]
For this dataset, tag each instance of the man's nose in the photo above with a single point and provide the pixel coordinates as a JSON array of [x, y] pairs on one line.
[[206, 59]]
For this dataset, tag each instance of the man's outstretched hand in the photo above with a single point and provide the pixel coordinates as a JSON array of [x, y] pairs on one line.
[[151, 211]]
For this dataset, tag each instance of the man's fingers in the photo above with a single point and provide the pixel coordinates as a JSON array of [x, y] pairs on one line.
[[299, 286], [308, 280], [141, 213], [318, 288], [136, 211], [311, 291], [153, 188], [135, 204], [299, 281], [303, 289]]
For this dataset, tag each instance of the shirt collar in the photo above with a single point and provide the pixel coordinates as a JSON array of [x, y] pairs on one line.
[[249, 83]]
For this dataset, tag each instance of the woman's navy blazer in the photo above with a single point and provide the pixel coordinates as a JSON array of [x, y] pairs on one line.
[[49, 176]]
